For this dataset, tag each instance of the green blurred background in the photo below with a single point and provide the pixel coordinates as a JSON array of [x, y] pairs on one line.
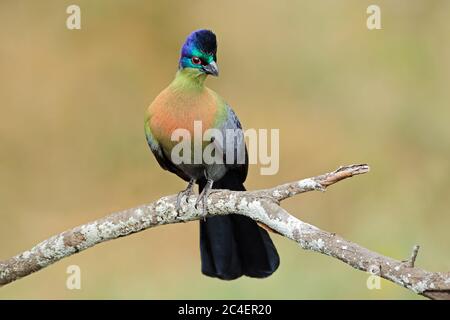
[[72, 145]]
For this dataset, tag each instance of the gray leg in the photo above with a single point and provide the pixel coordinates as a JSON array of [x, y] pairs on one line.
[[186, 192], [203, 197]]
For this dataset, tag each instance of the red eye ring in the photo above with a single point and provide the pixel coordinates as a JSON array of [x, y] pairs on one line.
[[196, 60]]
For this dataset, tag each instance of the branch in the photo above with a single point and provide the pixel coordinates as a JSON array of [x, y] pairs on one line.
[[262, 206]]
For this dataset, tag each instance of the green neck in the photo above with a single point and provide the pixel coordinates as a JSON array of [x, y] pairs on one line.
[[189, 79]]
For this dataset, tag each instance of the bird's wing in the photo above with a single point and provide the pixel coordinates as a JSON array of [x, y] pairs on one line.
[[157, 151], [237, 144]]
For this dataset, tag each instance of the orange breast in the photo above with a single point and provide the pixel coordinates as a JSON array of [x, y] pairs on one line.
[[178, 110]]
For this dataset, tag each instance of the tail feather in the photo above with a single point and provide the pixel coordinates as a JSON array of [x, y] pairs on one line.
[[234, 245]]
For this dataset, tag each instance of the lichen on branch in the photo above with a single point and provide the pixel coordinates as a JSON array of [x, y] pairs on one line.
[[260, 205]]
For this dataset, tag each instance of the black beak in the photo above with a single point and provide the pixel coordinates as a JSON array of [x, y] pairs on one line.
[[211, 69]]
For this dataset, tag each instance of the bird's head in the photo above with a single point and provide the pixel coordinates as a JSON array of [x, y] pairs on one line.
[[199, 53]]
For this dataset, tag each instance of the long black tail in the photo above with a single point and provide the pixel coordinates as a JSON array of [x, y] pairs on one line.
[[234, 245]]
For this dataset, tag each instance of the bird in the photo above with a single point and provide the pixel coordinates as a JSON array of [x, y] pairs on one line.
[[231, 245]]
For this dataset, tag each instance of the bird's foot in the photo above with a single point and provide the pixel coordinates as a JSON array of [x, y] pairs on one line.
[[203, 197], [185, 193]]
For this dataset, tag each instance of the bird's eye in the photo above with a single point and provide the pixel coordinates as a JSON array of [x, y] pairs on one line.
[[196, 60]]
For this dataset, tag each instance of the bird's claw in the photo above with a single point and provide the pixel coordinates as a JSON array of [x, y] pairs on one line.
[[204, 207], [203, 197], [179, 197], [187, 193]]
